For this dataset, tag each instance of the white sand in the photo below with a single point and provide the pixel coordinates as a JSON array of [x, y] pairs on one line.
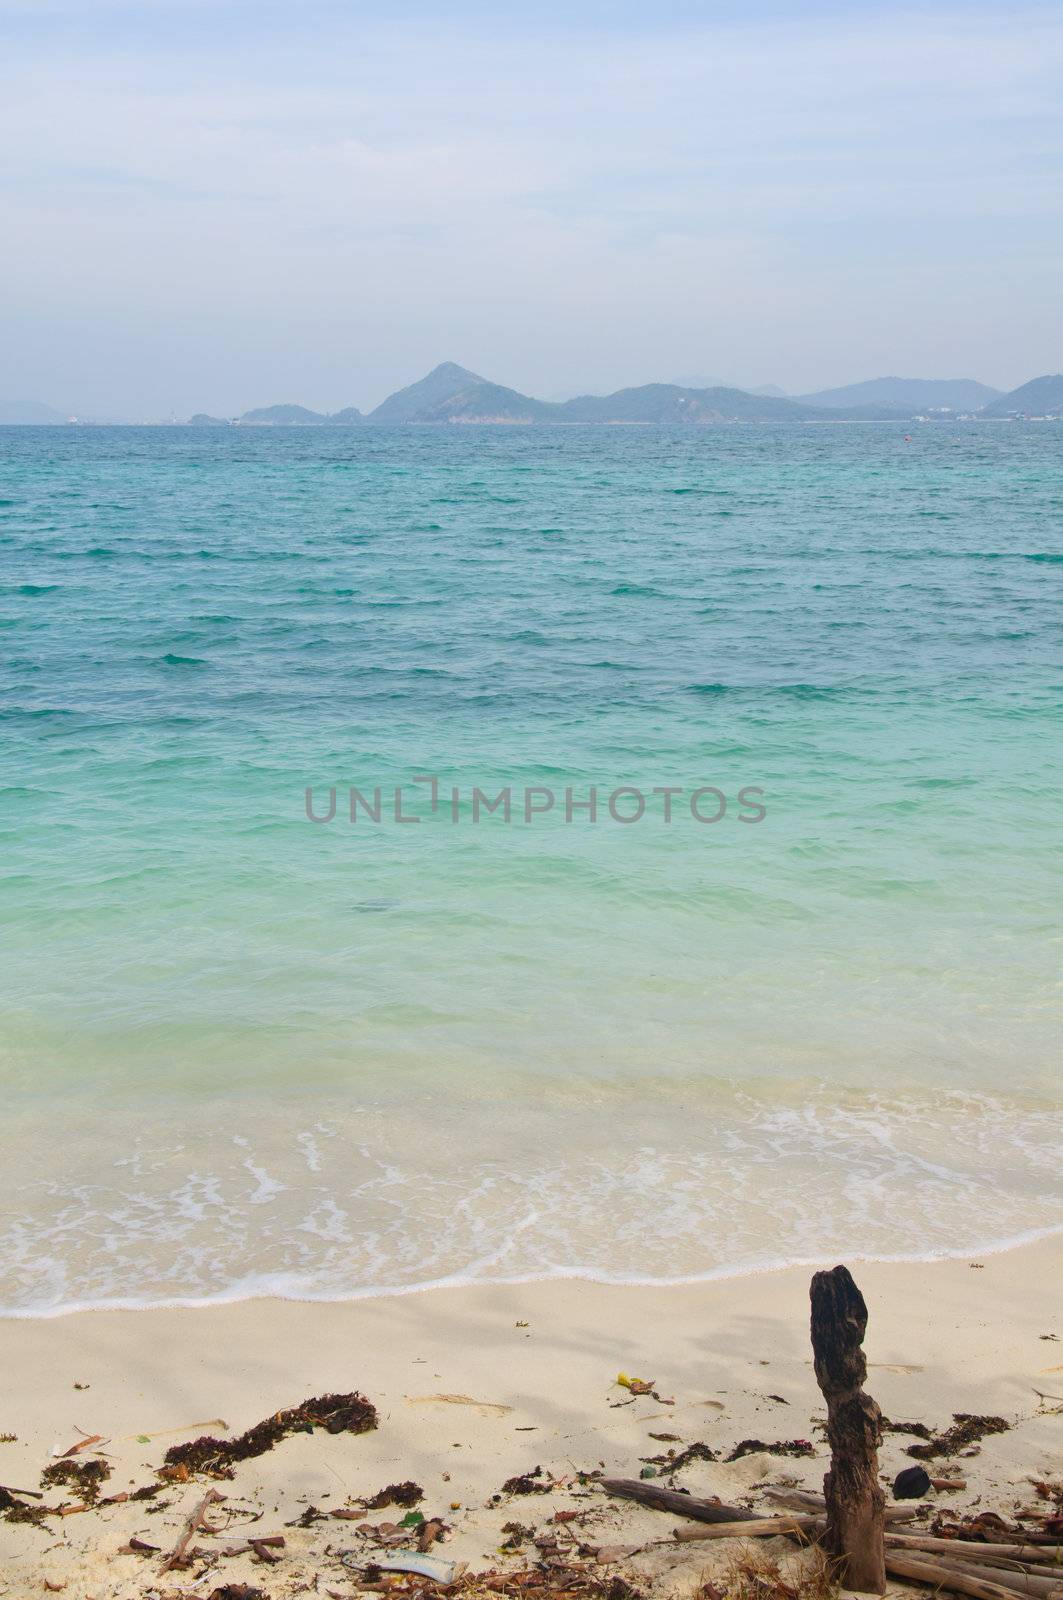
[[943, 1337]]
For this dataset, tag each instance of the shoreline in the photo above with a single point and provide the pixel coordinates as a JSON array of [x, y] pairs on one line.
[[477, 1384], [238, 1294]]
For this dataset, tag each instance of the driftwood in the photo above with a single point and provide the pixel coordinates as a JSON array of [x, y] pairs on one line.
[[799, 1522], [658, 1498], [968, 1550], [1014, 1578], [754, 1528], [242, 1546], [808, 1500], [797, 1499], [855, 1501], [942, 1575], [196, 1522], [997, 1536]]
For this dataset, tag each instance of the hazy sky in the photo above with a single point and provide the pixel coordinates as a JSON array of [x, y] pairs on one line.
[[221, 203]]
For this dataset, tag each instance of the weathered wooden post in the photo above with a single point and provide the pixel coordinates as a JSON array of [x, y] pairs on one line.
[[855, 1501]]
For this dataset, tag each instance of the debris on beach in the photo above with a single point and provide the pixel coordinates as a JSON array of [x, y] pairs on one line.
[[781, 1447], [912, 1483], [675, 1461], [675, 1501], [14, 1509], [195, 1522], [83, 1443], [188, 1427], [139, 1547], [86, 1477], [640, 1386], [533, 1482], [434, 1567], [636, 1385], [395, 1494], [918, 1429], [216, 1458], [967, 1429], [494, 1406]]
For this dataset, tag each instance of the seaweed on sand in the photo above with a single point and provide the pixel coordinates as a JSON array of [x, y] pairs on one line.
[[966, 1429], [533, 1482], [396, 1494], [336, 1413], [781, 1447], [674, 1461], [86, 1477], [15, 1510]]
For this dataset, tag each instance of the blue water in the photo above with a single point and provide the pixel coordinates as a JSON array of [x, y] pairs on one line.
[[241, 1050]]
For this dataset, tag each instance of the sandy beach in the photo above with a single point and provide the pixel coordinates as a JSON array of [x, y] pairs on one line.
[[475, 1386]]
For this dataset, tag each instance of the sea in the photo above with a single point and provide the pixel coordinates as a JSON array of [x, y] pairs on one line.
[[445, 855]]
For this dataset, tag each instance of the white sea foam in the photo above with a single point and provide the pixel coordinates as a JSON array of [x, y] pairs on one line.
[[398, 1199]]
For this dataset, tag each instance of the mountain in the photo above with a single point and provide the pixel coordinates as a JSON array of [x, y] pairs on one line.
[[294, 417], [908, 394], [1039, 398], [281, 417], [202, 420], [668, 403], [442, 385], [488, 402], [28, 413], [453, 394]]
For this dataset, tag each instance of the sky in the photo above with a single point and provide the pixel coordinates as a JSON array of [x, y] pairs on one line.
[[216, 204]]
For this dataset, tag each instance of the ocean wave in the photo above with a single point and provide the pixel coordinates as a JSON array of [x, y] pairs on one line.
[[373, 1199]]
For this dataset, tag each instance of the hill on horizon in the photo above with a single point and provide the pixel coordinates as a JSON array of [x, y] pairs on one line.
[[28, 413], [454, 394], [667, 402], [1038, 398], [919, 394], [436, 389], [486, 402], [287, 416]]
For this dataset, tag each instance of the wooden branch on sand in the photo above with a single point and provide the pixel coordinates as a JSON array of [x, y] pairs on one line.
[[802, 1522], [195, 1522], [754, 1528], [659, 1498], [968, 1550], [949, 1575], [855, 1501], [806, 1500], [1018, 1580]]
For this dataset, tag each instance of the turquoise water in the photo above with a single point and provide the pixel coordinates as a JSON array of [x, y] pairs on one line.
[[244, 1051]]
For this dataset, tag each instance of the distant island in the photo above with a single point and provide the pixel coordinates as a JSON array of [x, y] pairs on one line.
[[453, 394], [28, 413]]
